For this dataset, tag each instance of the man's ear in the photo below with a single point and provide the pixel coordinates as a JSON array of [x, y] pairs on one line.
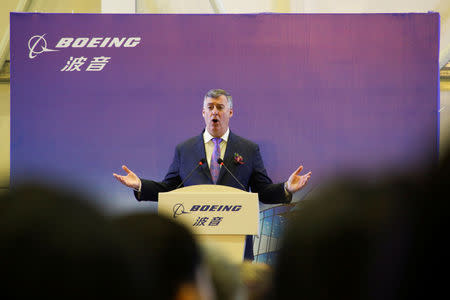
[[203, 112], [231, 112]]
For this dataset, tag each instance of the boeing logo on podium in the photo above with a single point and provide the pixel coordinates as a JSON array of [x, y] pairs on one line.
[[178, 210], [37, 43]]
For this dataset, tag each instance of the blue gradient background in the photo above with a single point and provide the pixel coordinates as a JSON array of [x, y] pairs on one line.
[[339, 93]]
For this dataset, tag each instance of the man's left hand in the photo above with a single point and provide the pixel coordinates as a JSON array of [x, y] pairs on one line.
[[296, 181]]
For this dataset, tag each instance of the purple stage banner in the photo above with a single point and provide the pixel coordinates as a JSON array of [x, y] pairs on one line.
[[338, 93]]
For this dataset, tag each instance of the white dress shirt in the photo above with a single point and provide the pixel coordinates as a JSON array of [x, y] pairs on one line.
[[209, 144]]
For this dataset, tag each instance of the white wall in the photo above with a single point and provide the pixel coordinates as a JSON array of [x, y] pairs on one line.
[[444, 115], [4, 134]]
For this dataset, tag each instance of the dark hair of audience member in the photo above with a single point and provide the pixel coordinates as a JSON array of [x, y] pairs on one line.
[[54, 245], [170, 254], [257, 278], [225, 274], [361, 240]]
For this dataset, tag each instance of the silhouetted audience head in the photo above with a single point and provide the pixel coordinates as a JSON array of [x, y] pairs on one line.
[[362, 240], [225, 274], [170, 254], [56, 246], [257, 278]]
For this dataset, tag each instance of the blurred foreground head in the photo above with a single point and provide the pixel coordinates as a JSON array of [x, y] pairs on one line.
[[55, 245], [173, 261], [361, 240], [257, 278]]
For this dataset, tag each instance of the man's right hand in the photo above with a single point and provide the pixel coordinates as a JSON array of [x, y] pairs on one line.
[[130, 180]]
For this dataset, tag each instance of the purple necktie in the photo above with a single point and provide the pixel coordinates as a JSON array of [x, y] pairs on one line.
[[214, 165]]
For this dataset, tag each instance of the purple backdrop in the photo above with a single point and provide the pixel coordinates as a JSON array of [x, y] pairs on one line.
[[338, 93]]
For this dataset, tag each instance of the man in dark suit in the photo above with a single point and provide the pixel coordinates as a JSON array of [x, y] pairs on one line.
[[242, 157]]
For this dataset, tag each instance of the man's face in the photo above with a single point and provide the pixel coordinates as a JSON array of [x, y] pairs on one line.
[[217, 114]]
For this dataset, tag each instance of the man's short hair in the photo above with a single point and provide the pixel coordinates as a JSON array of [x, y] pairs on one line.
[[216, 93]]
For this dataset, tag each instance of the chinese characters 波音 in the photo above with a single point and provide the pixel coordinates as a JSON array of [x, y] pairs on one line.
[[96, 64]]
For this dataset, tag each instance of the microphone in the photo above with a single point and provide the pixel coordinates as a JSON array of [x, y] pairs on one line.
[[220, 161], [201, 162]]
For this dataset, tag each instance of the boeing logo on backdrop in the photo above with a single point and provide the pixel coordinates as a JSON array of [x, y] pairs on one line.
[[98, 42], [38, 45]]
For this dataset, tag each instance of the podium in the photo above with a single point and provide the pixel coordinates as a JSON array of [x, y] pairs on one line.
[[219, 216]]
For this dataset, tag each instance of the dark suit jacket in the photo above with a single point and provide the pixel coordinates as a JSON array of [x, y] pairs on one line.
[[251, 173]]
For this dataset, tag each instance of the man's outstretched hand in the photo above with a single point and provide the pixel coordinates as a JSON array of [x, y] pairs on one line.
[[130, 180], [296, 181]]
